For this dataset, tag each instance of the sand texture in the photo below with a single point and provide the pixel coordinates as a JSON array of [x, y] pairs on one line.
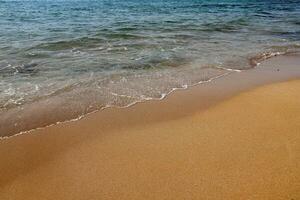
[[246, 147]]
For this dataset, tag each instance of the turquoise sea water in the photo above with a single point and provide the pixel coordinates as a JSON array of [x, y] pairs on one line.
[[60, 59]]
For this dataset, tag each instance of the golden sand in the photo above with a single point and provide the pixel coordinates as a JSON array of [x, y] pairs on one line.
[[247, 147]]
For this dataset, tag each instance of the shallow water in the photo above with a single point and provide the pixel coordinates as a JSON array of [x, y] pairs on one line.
[[61, 59]]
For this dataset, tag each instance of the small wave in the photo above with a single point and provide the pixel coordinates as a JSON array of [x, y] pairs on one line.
[[212, 5], [275, 51], [157, 63], [295, 21], [84, 42], [123, 36], [229, 26], [256, 60], [142, 99], [127, 29]]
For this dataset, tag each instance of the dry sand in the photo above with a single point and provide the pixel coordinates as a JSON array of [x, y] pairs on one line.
[[191, 145]]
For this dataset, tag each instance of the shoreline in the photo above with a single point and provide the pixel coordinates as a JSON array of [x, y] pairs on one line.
[[246, 146], [269, 71], [149, 100]]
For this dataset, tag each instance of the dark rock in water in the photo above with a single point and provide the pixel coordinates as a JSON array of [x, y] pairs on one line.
[[30, 65], [26, 69], [29, 69]]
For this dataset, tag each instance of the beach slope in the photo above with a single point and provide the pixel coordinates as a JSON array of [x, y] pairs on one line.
[[246, 147]]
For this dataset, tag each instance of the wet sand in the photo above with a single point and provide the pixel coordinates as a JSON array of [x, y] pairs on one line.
[[212, 141]]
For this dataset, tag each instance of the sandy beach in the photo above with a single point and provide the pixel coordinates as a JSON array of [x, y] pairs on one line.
[[149, 100], [206, 142]]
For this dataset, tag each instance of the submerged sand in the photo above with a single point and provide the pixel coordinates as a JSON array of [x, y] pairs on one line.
[[247, 147]]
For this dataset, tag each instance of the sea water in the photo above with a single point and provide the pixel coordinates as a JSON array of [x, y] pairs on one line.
[[62, 59]]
